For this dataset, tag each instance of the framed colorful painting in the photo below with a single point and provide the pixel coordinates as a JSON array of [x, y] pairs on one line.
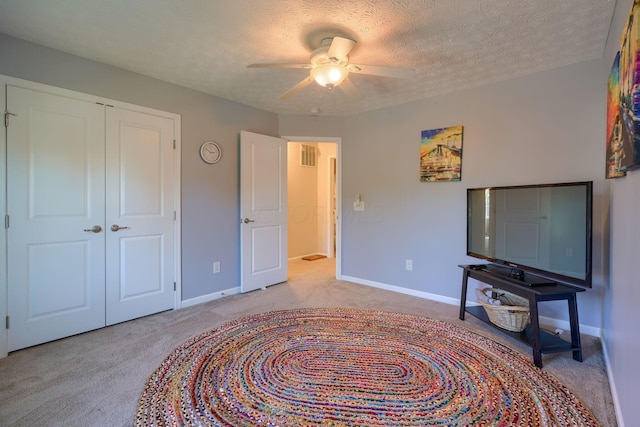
[[626, 127], [441, 154], [615, 149]]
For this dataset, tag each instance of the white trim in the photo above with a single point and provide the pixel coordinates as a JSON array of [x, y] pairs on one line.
[[177, 206], [612, 384], [4, 303], [210, 297], [547, 321], [401, 290], [564, 324], [54, 90]]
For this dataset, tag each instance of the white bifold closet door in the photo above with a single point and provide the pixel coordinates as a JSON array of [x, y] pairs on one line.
[[139, 193], [90, 200]]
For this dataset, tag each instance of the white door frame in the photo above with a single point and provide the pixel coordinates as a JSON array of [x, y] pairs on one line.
[[4, 333], [338, 142], [8, 80]]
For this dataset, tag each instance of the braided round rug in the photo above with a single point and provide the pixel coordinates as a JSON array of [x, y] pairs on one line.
[[346, 367]]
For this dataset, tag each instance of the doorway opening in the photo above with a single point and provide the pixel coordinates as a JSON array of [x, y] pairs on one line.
[[313, 182]]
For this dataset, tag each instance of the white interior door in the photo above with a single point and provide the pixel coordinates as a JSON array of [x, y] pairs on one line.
[[55, 175], [140, 217], [263, 210]]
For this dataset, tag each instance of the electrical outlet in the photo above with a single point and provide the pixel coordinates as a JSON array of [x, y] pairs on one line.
[[408, 264], [216, 267]]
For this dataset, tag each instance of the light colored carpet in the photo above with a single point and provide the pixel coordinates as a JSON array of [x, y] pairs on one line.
[[96, 379]]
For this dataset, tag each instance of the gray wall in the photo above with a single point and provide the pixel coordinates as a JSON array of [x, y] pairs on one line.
[[210, 210], [542, 128], [621, 316]]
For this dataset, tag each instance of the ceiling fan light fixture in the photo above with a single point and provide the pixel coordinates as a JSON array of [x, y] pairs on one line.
[[329, 75], [329, 67]]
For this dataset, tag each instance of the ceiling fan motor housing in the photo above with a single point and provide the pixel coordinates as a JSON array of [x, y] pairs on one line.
[[326, 71]]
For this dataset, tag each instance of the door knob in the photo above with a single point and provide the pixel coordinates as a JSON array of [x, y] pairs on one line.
[[94, 229], [247, 220], [116, 227]]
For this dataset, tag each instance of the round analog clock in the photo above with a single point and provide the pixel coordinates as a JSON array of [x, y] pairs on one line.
[[210, 152]]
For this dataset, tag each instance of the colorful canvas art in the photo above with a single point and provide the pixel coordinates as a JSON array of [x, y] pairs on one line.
[[441, 154], [626, 126], [615, 150]]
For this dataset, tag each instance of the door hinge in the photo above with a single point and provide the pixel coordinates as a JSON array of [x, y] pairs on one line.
[[7, 322], [174, 286], [175, 215], [6, 221], [6, 118], [174, 144]]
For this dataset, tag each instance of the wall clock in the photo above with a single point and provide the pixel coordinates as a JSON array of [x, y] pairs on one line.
[[210, 152]]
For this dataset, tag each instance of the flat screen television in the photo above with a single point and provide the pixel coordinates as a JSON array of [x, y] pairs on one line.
[[537, 234]]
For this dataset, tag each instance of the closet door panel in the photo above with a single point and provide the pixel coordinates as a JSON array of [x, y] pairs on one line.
[[140, 214], [55, 175]]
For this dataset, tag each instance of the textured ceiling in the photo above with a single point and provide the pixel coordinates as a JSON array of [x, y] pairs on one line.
[[207, 44]]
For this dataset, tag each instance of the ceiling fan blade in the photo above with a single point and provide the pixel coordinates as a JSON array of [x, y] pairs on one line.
[[305, 66], [340, 48], [297, 88], [380, 70], [350, 90]]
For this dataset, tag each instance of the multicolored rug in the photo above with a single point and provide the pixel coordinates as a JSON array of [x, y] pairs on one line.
[[344, 367]]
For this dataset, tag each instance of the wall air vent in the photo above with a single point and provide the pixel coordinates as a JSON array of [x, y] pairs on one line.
[[307, 155]]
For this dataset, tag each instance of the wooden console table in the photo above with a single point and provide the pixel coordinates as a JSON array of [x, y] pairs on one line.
[[541, 341]]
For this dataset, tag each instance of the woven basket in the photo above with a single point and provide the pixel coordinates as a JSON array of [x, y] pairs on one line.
[[512, 315]]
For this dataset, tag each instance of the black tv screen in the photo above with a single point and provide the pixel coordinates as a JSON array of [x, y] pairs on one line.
[[544, 230]]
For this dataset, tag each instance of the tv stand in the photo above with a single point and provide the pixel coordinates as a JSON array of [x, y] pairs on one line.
[[540, 341]]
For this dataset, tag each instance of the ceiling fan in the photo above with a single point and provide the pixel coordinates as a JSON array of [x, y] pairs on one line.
[[329, 67]]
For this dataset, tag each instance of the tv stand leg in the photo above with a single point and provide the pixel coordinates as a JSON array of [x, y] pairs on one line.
[[575, 327], [535, 332], [463, 296]]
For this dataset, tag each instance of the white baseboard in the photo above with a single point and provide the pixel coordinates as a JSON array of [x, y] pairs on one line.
[[564, 324], [210, 297], [547, 321], [401, 290], [612, 385]]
